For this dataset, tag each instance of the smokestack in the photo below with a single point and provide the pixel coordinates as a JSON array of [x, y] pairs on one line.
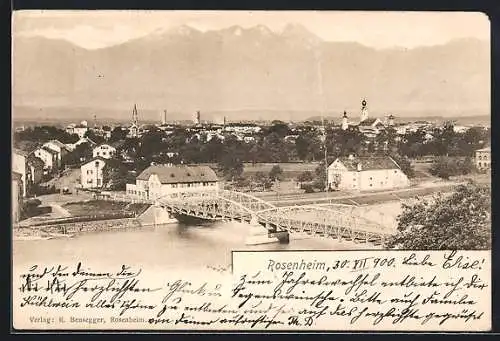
[[164, 117]]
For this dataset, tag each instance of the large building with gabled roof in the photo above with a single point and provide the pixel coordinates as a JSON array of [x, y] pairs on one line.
[[162, 180], [353, 173]]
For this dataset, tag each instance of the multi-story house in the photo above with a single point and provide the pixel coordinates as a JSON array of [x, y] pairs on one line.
[[365, 174], [482, 158], [169, 180]]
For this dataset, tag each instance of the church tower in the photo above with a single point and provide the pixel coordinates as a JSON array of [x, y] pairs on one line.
[[135, 125], [345, 123], [391, 120], [197, 118], [364, 111]]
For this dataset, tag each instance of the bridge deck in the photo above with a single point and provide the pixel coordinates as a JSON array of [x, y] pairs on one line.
[[335, 221]]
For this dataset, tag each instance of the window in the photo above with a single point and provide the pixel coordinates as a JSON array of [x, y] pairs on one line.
[[371, 185], [479, 164], [371, 178], [89, 181], [98, 182], [395, 171]]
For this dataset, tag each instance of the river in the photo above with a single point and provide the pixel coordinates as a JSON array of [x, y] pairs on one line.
[[169, 246]]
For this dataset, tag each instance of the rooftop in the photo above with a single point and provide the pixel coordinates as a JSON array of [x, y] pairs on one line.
[[368, 163], [97, 158], [486, 149], [367, 122], [179, 174], [57, 143], [20, 152], [47, 149]]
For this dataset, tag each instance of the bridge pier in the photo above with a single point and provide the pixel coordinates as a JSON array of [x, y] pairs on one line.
[[283, 237]]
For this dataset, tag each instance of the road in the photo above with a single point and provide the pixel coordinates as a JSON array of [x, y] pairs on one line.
[[359, 198]]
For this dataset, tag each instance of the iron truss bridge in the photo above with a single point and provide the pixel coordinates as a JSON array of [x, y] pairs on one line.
[[342, 222]]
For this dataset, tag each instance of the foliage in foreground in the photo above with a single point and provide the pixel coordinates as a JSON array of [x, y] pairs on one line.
[[459, 221]]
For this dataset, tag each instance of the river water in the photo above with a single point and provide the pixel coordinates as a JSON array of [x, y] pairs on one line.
[[169, 246]]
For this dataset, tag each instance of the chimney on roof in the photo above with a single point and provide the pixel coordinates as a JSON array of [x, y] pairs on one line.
[[359, 167]]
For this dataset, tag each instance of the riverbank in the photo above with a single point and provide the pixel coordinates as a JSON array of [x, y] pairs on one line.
[[70, 230]]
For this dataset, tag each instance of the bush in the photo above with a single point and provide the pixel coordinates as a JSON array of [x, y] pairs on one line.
[[445, 167], [306, 176], [308, 188], [276, 173]]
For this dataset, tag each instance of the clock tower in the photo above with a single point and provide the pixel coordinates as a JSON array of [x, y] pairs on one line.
[[364, 111]]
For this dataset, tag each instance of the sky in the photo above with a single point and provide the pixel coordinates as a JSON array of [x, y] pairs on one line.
[[97, 29]]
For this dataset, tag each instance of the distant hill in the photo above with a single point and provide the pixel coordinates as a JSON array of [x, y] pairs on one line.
[[293, 75]]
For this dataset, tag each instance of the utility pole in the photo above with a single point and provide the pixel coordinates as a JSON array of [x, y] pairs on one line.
[[322, 104]]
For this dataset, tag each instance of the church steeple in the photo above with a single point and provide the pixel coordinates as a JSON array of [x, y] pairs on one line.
[[134, 115], [364, 111], [134, 129], [345, 123]]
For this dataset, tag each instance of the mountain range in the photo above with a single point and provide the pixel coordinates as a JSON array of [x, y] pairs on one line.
[[250, 69]]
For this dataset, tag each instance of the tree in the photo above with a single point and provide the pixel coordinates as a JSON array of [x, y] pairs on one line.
[[115, 175], [276, 173], [93, 136], [306, 176], [280, 128], [445, 167], [118, 134], [459, 221], [320, 180], [44, 134], [81, 153], [405, 164], [231, 167]]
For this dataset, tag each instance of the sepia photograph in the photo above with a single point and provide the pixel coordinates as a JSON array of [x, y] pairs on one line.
[[172, 140]]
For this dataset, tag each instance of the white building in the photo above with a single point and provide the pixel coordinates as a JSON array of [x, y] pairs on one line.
[[161, 180], [482, 158], [104, 150], [60, 148], [366, 174], [91, 173], [80, 130], [70, 129], [17, 195], [29, 167], [49, 157], [19, 166], [371, 127], [72, 146]]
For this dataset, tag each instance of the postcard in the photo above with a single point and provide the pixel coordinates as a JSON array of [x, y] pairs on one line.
[[264, 170]]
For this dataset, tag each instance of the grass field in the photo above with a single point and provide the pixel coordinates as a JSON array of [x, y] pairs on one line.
[[290, 170]]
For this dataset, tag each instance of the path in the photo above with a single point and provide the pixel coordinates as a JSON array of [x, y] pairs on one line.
[[60, 211], [353, 196]]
